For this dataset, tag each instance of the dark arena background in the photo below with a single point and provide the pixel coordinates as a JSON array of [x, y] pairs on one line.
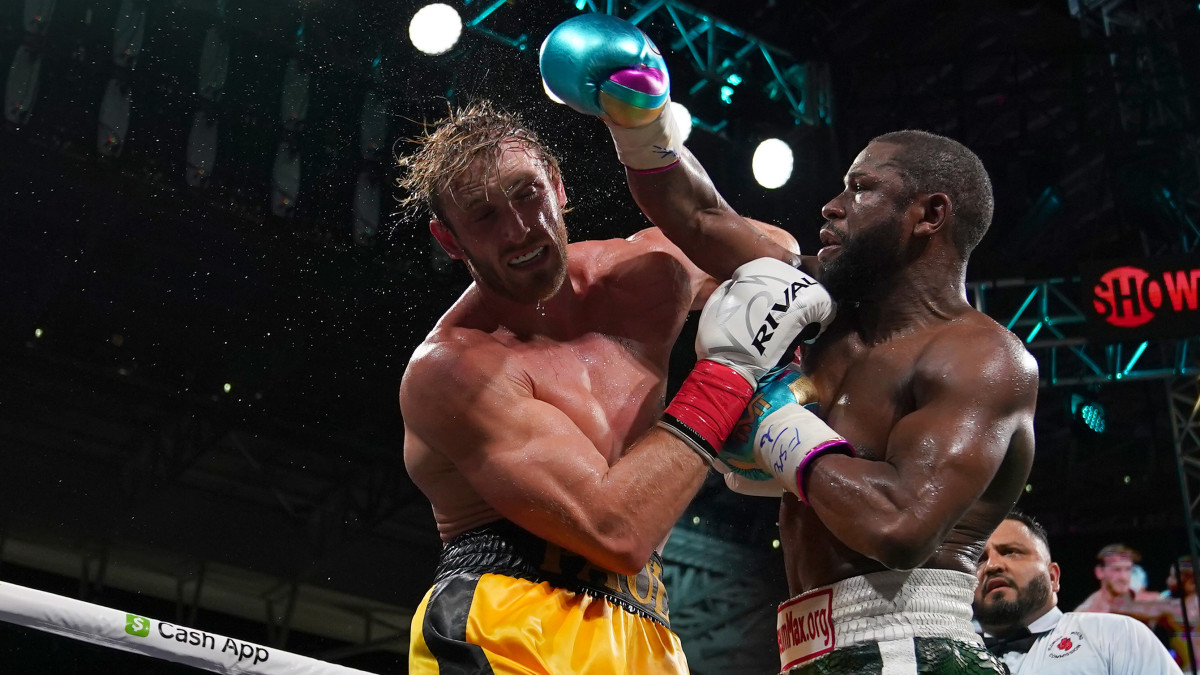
[[208, 292]]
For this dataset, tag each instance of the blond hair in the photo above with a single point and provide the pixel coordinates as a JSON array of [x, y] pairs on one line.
[[449, 146]]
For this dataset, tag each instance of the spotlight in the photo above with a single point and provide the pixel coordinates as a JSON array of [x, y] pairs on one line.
[[1088, 411], [435, 28], [683, 119], [772, 163]]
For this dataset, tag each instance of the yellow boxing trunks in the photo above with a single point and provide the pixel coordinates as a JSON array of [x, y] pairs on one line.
[[505, 601]]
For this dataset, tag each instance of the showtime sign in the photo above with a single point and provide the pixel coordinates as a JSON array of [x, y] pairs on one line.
[[1133, 300]]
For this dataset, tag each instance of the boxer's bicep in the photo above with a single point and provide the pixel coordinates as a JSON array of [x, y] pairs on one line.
[[522, 455], [940, 457]]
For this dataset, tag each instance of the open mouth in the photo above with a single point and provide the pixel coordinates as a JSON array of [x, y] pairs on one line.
[[527, 258]]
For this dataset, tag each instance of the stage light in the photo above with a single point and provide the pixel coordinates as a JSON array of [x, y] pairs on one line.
[[435, 28], [772, 163], [1088, 411], [683, 119], [727, 95]]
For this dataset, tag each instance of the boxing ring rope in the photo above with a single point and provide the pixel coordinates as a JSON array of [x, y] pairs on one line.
[[157, 639]]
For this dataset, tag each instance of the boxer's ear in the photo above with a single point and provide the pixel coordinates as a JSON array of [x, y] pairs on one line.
[[446, 239], [935, 209], [561, 191]]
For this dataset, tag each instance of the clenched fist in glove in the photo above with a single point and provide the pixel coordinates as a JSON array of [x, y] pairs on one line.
[[750, 326]]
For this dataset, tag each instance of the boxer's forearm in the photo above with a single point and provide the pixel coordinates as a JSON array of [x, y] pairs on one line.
[[683, 203]]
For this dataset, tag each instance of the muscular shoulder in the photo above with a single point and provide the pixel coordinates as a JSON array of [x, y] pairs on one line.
[[647, 263], [973, 346], [454, 362], [650, 248]]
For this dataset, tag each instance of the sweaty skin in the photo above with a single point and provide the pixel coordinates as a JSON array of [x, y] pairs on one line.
[[534, 384], [936, 398]]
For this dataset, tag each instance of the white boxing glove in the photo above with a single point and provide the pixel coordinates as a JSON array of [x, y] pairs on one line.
[[789, 439], [750, 325], [755, 321], [741, 484]]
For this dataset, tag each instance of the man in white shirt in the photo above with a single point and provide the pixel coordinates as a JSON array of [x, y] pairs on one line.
[[1016, 606]]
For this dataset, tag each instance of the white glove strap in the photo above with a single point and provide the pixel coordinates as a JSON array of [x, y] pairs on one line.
[[652, 146], [790, 438], [754, 488]]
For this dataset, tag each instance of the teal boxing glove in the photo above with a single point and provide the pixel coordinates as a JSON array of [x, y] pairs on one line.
[[776, 390], [602, 65], [778, 436]]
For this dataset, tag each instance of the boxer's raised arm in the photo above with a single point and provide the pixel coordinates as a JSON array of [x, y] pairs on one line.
[[602, 65], [684, 204]]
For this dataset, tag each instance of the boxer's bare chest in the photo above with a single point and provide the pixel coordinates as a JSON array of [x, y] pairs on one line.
[[864, 390], [609, 385]]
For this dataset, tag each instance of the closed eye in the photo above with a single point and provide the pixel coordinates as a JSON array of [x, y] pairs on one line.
[[528, 191]]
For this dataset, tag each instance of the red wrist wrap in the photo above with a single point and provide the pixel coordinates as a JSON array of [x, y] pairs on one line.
[[710, 401]]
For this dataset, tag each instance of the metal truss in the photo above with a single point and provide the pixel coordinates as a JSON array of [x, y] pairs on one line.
[[722, 55], [1045, 315], [1147, 79], [720, 597], [1183, 395], [480, 12]]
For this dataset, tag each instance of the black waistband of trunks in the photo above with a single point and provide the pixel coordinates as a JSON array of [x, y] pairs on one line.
[[504, 548]]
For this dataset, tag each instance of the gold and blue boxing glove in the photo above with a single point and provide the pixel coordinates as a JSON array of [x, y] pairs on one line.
[[778, 436]]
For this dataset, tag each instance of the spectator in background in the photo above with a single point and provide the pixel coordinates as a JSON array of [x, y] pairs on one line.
[[1117, 595], [1016, 606], [1114, 570]]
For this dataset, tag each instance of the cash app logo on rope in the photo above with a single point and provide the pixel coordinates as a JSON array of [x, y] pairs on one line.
[[137, 626]]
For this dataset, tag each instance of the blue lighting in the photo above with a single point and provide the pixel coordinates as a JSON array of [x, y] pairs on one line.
[[1090, 412], [727, 95]]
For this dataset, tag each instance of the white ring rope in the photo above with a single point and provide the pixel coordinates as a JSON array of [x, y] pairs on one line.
[[159, 639]]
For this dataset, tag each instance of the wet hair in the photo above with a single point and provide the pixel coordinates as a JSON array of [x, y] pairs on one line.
[[449, 146], [1035, 528], [930, 163]]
